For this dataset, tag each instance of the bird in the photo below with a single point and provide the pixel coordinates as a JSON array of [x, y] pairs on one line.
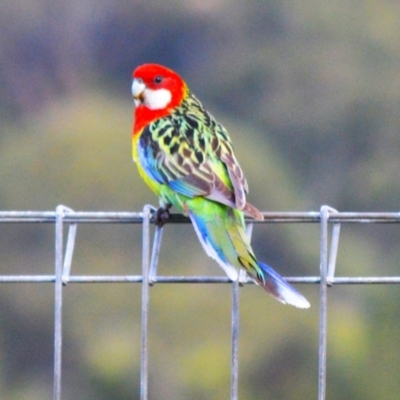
[[186, 158]]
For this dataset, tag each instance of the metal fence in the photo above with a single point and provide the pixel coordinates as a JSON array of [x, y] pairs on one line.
[[326, 217]]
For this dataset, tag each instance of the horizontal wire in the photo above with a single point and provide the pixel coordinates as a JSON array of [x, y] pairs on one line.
[[190, 279], [71, 216], [137, 217]]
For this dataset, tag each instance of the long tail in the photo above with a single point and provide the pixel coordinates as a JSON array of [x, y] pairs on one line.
[[220, 230], [281, 289]]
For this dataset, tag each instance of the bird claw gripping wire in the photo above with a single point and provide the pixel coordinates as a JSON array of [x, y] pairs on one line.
[[161, 216]]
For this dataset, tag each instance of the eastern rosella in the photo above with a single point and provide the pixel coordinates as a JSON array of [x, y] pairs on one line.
[[186, 157]]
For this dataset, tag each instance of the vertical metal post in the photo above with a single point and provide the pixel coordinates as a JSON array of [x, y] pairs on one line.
[[69, 251], [155, 254], [235, 341], [333, 253], [145, 303], [323, 303], [58, 302]]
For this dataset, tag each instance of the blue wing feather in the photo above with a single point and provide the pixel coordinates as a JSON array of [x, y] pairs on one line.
[[149, 164]]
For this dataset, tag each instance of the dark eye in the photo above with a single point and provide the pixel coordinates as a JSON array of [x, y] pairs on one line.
[[158, 79]]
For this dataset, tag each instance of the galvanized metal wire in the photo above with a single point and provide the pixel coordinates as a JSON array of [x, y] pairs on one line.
[[64, 216]]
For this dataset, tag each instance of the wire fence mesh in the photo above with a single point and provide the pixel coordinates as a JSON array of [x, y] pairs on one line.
[[63, 216]]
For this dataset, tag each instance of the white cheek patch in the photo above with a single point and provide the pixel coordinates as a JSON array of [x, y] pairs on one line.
[[157, 99]]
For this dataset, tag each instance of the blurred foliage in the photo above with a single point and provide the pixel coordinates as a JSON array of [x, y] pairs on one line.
[[309, 92]]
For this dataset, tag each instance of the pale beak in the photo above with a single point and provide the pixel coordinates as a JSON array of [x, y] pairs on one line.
[[138, 88]]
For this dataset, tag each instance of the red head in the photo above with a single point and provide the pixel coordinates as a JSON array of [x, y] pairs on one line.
[[156, 91]]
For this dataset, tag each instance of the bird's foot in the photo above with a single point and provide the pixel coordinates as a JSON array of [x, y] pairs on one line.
[[161, 216]]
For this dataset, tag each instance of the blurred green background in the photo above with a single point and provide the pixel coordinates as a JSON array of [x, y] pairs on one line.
[[310, 93]]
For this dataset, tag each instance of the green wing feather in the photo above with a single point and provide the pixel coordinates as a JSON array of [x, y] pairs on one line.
[[192, 154]]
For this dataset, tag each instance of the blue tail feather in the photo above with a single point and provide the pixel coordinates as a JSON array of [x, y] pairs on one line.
[[228, 247], [280, 289]]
